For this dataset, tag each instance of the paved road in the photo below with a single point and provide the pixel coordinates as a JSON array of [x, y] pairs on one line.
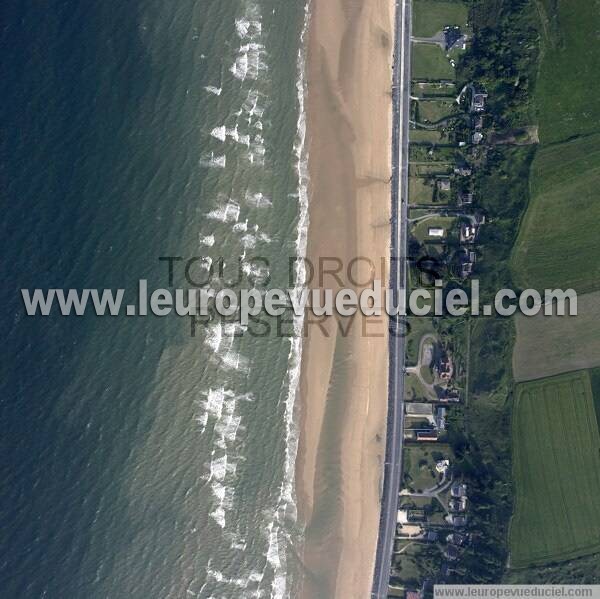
[[395, 424]]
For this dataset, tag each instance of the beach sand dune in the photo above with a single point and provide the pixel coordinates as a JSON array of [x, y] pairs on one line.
[[344, 370]]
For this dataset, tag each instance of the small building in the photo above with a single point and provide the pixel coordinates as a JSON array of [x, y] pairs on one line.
[[436, 232], [444, 184], [478, 102], [454, 39], [468, 261], [414, 515], [466, 269], [463, 171], [412, 595], [468, 233], [465, 198], [477, 138], [458, 505], [440, 419], [449, 395], [442, 466], [458, 521], [458, 490], [456, 538], [445, 368], [451, 553], [427, 435]]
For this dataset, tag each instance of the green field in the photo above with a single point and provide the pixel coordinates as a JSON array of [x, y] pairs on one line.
[[558, 243], [430, 17], [568, 88], [556, 467], [430, 62], [421, 90], [428, 154], [421, 228], [426, 135], [432, 111], [439, 168], [419, 191], [550, 345], [419, 326], [419, 468]]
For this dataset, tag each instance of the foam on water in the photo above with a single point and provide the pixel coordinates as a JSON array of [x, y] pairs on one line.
[[213, 161], [222, 413], [213, 90], [258, 200], [226, 213], [240, 227], [287, 505], [219, 133], [206, 240]]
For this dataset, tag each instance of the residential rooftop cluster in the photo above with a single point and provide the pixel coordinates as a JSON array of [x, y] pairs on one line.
[[448, 145]]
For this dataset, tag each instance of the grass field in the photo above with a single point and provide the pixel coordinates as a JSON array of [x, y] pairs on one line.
[[419, 466], [439, 168], [426, 135], [550, 345], [421, 228], [429, 17], [419, 327], [420, 90], [568, 88], [558, 243], [419, 191], [430, 62], [595, 380], [556, 467], [431, 111], [425, 155]]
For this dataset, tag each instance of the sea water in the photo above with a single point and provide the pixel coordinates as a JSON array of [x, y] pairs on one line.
[[139, 460]]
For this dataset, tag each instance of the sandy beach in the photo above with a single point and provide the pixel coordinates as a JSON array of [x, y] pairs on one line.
[[344, 369]]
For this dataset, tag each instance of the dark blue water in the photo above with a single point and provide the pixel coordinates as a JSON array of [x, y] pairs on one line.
[[109, 450]]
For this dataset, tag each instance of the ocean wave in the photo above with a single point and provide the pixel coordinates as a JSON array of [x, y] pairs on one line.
[[226, 213], [249, 62], [213, 161], [232, 360], [222, 133], [287, 509], [255, 270], [206, 240], [253, 105], [257, 200], [211, 89]]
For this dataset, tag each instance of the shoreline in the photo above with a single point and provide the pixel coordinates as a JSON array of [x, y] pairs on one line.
[[344, 373]]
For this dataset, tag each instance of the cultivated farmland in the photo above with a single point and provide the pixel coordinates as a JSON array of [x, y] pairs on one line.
[[556, 467], [568, 88], [550, 345], [558, 243]]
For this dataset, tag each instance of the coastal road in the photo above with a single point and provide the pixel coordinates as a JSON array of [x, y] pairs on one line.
[[395, 419]]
